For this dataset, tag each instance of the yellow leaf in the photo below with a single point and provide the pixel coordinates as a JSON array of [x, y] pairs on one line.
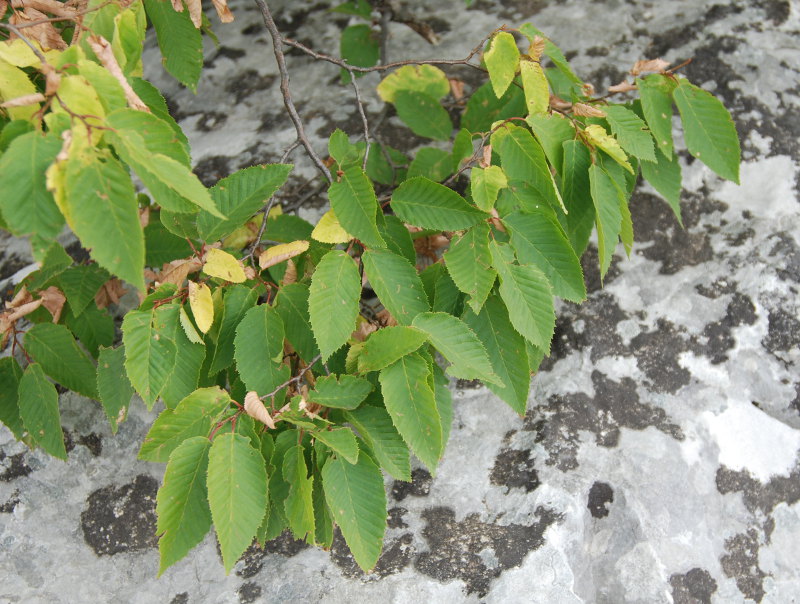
[[598, 136], [224, 266], [283, 251], [202, 306], [80, 97], [328, 230], [14, 83], [534, 83], [19, 54], [188, 328]]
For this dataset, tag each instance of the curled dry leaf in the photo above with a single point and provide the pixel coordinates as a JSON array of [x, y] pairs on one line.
[[652, 65], [195, 12], [3, 6], [223, 12], [44, 33], [144, 216], [23, 297], [60, 9], [584, 110], [429, 246], [456, 88], [290, 274], [175, 272], [256, 409], [623, 86], [9, 317], [223, 266], [23, 101], [53, 300], [283, 251], [202, 305], [496, 222], [385, 318], [558, 103], [536, 48], [588, 89], [363, 329], [110, 293], [102, 48], [177, 6], [250, 272], [486, 158]]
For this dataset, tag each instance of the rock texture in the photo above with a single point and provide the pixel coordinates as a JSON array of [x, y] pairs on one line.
[[658, 461]]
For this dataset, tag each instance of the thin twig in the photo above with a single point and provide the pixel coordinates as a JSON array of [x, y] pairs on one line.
[[364, 121], [277, 41], [288, 151], [295, 379]]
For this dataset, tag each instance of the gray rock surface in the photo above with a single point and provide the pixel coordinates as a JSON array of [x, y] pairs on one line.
[[659, 460]]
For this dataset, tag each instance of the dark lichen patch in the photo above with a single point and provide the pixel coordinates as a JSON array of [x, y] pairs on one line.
[[420, 485], [11, 264], [247, 84], [694, 587], [515, 468], [615, 405], [741, 564], [252, 560], [92, 441], [395, 518], [181, 598], [121, 519], [756, 495], [716, 289], [590, 263], [249, 592], [600, 495], [9, 506], [13, 466], [795, 404], [783, 331], [657, 354], [788, 251], [212, 169], [77, 252], [210, 120], [676, 37], [455, 547], [718, 335], [224, 52], [396, 555]]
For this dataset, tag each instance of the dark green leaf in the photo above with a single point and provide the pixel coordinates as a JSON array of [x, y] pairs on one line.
[[342, 441], [333, 301], [355, 205], [180, 42], [10, 374], [237, 301], [375, 426], [259, 350], [387, 345], [56, 351], [292, 305], [577, 195], [80, 284], [469, 263], [631, 132], [665, 177], [397, 284], [298, 505], [342, 392], [423, 114], [606, 197], [38, 408], [113, 385], [427, 204], [655, 92]]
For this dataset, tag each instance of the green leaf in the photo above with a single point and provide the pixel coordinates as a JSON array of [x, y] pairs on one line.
[[357, 500], [398, 239], [323, 522], [55, 261], [113, 385], [158, 106], [342, 441], [485, 184], [333, 301], [292, 305], [606, 198], [10, 374], [534, 83], [387, 345], [191, 417], [484, 108], [38, 408], [655, 92], [26, 204], [423, 114], [241, 195], [444, 402], [54, 348], [708, 130], [184, 517], [94, 328], [432, 163], [397, 284], [440, 289], [80, 284], [426, 79], [355, 205], [552, 131], [631, 132], [597, 136], [375, 426], [429, 205], [155, 132], [502, 61], [538, 239], [188, 359], [360, 8], [526, 293], [102, 211], [342, 392], [162, 246], [149, 354], [359, 46], [237, 494], [577, 195], [237, 301], [298, 505], [470, 265], [259, 350], [506, 349], [179, 40], [665, 177], [12, 130], [459, 345], [411, 404]]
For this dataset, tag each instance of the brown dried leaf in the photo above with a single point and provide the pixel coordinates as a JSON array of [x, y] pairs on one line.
[[495, 220], [486, 159], [584, 110], [557, 102], [3, 6], [623, 86], [250, 272], [23, 297], [653, 65], [44, 33], [102, 48], [22, 101], [53, 300], [256, 409], [290, 275], [54, 7], [110, 293], [385, 318], [588, 89], [177, 5], [223, 12], [8, 317], [456, 88], [144, 216], [175, 272], [363, 329], [195, 12], [536, 48]]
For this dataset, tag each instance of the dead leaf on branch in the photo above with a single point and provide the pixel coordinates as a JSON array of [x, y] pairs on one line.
[[223, 12], [102, 48], [536, 48], [256, 409], [44, 33], [456, 88], [9, 317], [23, 296], [558, 103], [290, 274], [195, 12], [53, 300], [177, 271], [652, 65], [623, 86], [486, 157], [23, 101], [109, 293], [584, 110]]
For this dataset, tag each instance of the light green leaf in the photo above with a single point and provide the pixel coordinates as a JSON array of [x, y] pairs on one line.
[[397, 284], [333, 301], [188, 359], [441, 290], [237, 494], [606, 198], [355, 205], [292, 305], [26, 204], [526, 293], [259, 350], [459, 345], [237, 301], [149, 354], [538, 239], [357, 501], [432, 163], [411, 404], [10, 374], [708, 130], [360, 46], [387, 345], [342, 441], [577, 195], [423, 114], [502, 61], [631, 132], [665, 177], [191, 417], [184, 517], [342, 392], [158, 106], [470, 265], [429, 205], [179, 40], [552, 131], [80, 284], [597, 136], [298, 504], [375, 426], [38, 408], [506, 349], [398, 239], [113, 385], [534, 83], [655, 92], [55, 350], [426, 79], [485, 184]]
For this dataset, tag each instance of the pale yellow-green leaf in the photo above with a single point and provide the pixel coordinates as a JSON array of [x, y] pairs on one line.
[[427, 79], [534, 83], [281, 252], [14, 83], [19, 54], [188, 327], [502, 61], [328, 230], [598, 137], [224, 266], [79, 96], [201, 304]]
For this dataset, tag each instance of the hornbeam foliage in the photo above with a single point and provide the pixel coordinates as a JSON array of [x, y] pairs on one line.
[[296, 362]]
